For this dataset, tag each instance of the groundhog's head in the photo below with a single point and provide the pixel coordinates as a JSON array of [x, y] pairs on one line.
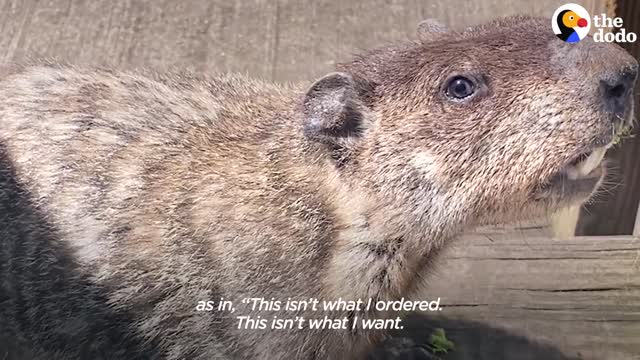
[[488, 124]]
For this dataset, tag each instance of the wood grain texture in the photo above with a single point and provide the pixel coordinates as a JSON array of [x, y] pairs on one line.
[[277, 40], [636, 227], [581, 295]]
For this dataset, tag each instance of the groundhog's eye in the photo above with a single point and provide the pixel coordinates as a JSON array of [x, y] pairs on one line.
[[460, 87]]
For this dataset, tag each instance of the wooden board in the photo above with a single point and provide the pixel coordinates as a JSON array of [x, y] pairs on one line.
[[279, 40], [581, 295], [636, 228]]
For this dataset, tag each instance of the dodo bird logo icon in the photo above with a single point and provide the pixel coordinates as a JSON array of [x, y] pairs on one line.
[[571, 22]]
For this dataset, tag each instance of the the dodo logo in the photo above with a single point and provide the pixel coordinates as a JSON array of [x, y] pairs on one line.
[[571, 22]]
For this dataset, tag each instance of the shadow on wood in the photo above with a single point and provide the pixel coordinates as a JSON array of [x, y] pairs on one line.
[[472, 341]]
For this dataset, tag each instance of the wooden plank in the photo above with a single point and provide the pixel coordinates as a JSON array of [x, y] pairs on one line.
[[283, 40], [636, 228], [581, 295]]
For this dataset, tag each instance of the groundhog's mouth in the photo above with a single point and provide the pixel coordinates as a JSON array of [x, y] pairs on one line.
[[586, 165], [577, 179]]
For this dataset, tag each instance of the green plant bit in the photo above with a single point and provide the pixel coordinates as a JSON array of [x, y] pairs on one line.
[[438, 342], [623, 133]]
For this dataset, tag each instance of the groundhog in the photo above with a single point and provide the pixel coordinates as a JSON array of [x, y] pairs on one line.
[[126, 198]]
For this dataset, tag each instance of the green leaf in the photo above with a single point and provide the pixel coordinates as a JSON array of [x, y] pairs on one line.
[[622, 133], [438, 342]]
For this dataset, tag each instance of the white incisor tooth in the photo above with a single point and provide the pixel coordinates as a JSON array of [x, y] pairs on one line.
[[572, 173], [591, 162]]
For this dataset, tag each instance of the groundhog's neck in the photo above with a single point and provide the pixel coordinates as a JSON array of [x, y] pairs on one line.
[[379, 250], [380, 255]]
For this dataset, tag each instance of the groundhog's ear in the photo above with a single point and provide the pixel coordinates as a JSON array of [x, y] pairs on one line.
[[334, 109], [431, 29]]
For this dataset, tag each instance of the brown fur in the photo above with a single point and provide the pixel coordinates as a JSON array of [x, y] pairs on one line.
[[128, 197]]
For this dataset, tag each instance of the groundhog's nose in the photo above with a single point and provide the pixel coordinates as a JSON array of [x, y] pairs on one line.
[[617, 91]]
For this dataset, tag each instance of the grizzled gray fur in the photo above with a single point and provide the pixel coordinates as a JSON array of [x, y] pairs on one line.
[[127, 197]]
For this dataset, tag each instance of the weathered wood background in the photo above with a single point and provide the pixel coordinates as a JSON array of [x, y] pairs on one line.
[[581, 295]]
